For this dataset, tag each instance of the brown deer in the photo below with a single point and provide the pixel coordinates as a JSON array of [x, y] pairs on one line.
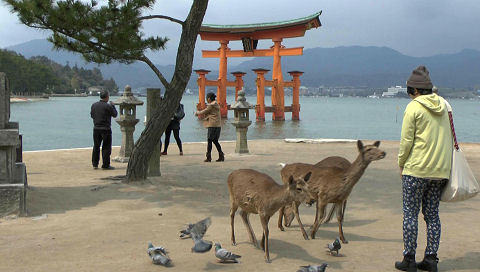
[[258, 193], [289, 212], [334, 185]]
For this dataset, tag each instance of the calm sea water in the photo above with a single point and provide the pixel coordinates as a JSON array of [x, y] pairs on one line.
[[65, 122]]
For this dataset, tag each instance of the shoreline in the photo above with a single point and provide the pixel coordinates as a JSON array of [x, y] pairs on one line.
[[287, 140]]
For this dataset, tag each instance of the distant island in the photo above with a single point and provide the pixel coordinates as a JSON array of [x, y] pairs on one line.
[[346, 70], [41, 77]]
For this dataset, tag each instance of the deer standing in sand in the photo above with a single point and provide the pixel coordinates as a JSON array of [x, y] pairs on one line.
[[333, 184], [289, 212], [258, 193]]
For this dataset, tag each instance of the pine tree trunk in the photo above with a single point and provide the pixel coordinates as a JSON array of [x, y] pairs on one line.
[[142, 151]]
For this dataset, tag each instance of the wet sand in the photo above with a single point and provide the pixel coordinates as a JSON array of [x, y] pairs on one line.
[[95, 224]]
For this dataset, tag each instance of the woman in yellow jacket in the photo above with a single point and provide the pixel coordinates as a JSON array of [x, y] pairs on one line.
[[213, 122], [424, 158]]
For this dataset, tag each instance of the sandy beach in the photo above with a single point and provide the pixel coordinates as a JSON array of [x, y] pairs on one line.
[[80, 221]]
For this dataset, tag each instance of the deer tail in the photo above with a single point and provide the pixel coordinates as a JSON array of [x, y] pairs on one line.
[[330, 214], [281, 164]]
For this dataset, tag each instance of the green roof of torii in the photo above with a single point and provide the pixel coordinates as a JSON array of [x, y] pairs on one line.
[[261, 26]]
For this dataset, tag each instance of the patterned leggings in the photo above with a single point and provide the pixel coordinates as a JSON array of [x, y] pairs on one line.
[[425, 192]]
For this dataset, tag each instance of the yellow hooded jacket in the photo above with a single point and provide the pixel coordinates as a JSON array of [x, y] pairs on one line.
[[426, 140]]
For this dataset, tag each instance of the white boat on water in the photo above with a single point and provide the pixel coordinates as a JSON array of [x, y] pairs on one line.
[[21, 99]]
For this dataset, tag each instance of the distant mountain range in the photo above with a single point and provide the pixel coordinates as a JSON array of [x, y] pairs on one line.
[[357, 66]]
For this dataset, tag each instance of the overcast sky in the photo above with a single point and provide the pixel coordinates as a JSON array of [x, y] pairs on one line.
[[412, 27]]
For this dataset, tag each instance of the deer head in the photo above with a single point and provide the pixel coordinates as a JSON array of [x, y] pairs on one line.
[[370, 152], [298, 187]]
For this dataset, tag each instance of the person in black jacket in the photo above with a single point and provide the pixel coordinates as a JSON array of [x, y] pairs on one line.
[[102, 113], [175, 127]]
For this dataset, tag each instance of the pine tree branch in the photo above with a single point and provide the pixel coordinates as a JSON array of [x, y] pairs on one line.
[[149, 17], [159, 74]]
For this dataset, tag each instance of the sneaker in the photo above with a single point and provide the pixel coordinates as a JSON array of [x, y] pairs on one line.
[[108, 168], [164, 153], [181, 153]]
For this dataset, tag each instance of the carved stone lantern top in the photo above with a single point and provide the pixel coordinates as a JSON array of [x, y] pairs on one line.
[[241, 102], [127, 98], [241, 110]]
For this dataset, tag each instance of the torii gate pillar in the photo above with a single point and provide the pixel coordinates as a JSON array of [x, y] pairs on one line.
[[222, 79], [260, 82], [278, 100], [296, 94]]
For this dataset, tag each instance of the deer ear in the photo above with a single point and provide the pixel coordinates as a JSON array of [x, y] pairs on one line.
[[377, 143], [360, 145], [307, 176]]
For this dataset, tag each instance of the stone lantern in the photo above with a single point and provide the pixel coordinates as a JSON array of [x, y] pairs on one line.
[[127, 121], [241, 121]]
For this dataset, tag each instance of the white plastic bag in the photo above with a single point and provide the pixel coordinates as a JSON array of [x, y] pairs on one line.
[[462, 184]]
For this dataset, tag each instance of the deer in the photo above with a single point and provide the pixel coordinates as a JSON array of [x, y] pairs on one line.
[[289, 212], [257, 193], [334, 184]]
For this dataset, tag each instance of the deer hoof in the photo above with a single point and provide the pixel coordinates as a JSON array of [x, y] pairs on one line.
[[268, 260], [345, 241], [305, 236], [234, 244], [281, 228]]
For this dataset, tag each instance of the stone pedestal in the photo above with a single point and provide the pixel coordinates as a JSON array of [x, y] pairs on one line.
[[13, 178], [241, 145], [153, 101]]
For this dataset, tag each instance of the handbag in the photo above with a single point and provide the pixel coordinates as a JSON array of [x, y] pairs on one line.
[[462, 184]]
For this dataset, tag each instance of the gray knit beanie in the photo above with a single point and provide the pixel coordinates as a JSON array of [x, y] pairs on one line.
[[420, 78]]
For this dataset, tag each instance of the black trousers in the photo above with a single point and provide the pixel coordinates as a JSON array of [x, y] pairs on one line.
[[99, 136], [176, 134], [213, 136]]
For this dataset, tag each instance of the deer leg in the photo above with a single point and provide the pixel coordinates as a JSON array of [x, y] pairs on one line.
[[297, 215], [280, 218], [318, 217], [264, 220], [233, 210], [289, 214], [340, 216], [251, 234]]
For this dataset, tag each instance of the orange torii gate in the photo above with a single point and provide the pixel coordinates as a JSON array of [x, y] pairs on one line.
[[249, 35]]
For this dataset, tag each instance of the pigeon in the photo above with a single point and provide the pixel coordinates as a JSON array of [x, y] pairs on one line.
[[335, 246], [313, 268], [225, 255], [184, 234], [197, 232], [159, 255]]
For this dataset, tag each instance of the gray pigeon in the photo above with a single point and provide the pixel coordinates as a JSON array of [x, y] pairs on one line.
[[335, 246], [313, 268], [184, 234], [197, 232], [225, 255], [159, 255]]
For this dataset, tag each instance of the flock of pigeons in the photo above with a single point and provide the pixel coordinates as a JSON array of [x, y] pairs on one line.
[[159, 255]]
